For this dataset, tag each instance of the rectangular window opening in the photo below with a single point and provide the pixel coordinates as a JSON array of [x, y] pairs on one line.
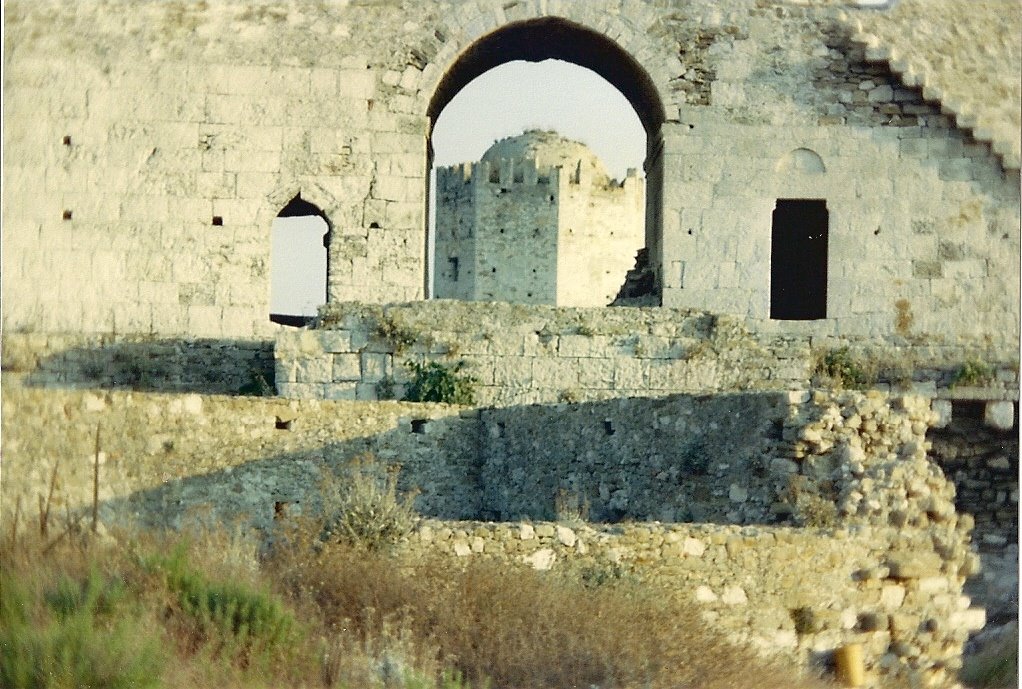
[[798, 260], [453, 261]]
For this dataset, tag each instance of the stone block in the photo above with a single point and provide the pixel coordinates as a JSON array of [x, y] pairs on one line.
[[914, 565], [334, 341], [314, 370], [1000, 415], [340, 391], [374, 366]]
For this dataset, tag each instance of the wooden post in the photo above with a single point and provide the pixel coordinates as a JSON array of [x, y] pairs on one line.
[[95, 486], [851, 670]]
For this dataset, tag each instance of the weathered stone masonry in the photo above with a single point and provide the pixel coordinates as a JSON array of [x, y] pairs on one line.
[[164, 157]]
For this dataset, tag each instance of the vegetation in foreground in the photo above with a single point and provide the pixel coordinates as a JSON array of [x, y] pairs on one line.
[[151, 610]]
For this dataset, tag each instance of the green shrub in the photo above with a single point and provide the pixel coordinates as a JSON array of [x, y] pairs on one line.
[[434, 382], [972, 372], [243, 623], [75, 640]]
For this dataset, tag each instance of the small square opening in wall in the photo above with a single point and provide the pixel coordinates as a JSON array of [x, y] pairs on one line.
[[608, 427], [66, 215], [67, 140], [419, 426], [218, 221], [282, 425]]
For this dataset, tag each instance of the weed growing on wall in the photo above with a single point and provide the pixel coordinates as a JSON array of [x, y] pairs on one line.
[[842, 370], [972, 373], [811, 508], [435, 382]]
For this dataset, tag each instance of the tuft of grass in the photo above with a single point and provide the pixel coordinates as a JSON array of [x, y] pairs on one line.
[[509, 627], [972, 373], [842, 369]]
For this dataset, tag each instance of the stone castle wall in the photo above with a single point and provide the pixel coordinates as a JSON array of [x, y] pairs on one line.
[[151, 146], [522, 354], [886, 557]]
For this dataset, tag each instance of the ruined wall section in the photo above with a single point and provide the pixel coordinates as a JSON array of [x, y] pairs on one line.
[[524, 354], [882, 565]]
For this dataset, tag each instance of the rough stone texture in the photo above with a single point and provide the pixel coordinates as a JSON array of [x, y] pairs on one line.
[[966, 76], [524, 354], [536, 221], [150, 146], [893, 544], [140, 362], [983, 463]]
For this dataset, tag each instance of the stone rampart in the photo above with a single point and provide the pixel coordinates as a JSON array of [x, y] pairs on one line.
[[523, 354]]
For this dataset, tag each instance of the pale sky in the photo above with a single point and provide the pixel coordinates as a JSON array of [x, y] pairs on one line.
[[502, 102]]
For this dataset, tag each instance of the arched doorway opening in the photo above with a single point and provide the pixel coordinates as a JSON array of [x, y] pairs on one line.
[[298, 262], [553, 38]]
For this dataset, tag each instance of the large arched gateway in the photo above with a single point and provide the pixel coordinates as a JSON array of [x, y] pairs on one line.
[[559, 38]]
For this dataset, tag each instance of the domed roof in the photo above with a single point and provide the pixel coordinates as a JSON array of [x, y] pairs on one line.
[[548, 149]]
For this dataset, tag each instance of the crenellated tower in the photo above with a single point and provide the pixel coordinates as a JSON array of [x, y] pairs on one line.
[[537, 221]]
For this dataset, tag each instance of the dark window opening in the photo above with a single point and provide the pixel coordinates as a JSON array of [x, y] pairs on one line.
[[453, 262], [67, 140], [218, 221], [798, 260], [419, 426], [968, 409], [66, 215], [282, 425], [608, 427]]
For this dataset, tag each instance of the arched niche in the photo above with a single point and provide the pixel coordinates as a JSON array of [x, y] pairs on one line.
[[558, 38], [802, 160]]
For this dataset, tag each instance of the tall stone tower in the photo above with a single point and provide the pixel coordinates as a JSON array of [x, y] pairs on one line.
[[537, 221]]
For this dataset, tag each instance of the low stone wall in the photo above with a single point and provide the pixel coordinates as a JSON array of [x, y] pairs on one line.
[[522, 354], [140, 362], [797, 593]]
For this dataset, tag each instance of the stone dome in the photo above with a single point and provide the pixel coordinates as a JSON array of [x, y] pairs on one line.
[[548, 149]]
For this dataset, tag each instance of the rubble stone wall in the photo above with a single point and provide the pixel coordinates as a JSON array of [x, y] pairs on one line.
[[882, 555]]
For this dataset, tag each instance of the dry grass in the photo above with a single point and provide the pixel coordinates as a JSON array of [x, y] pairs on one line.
[[202, 610], [521, 629]]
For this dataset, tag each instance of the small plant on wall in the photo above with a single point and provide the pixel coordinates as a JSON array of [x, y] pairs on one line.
[[972, 373], [435, 382], [842, 370]]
